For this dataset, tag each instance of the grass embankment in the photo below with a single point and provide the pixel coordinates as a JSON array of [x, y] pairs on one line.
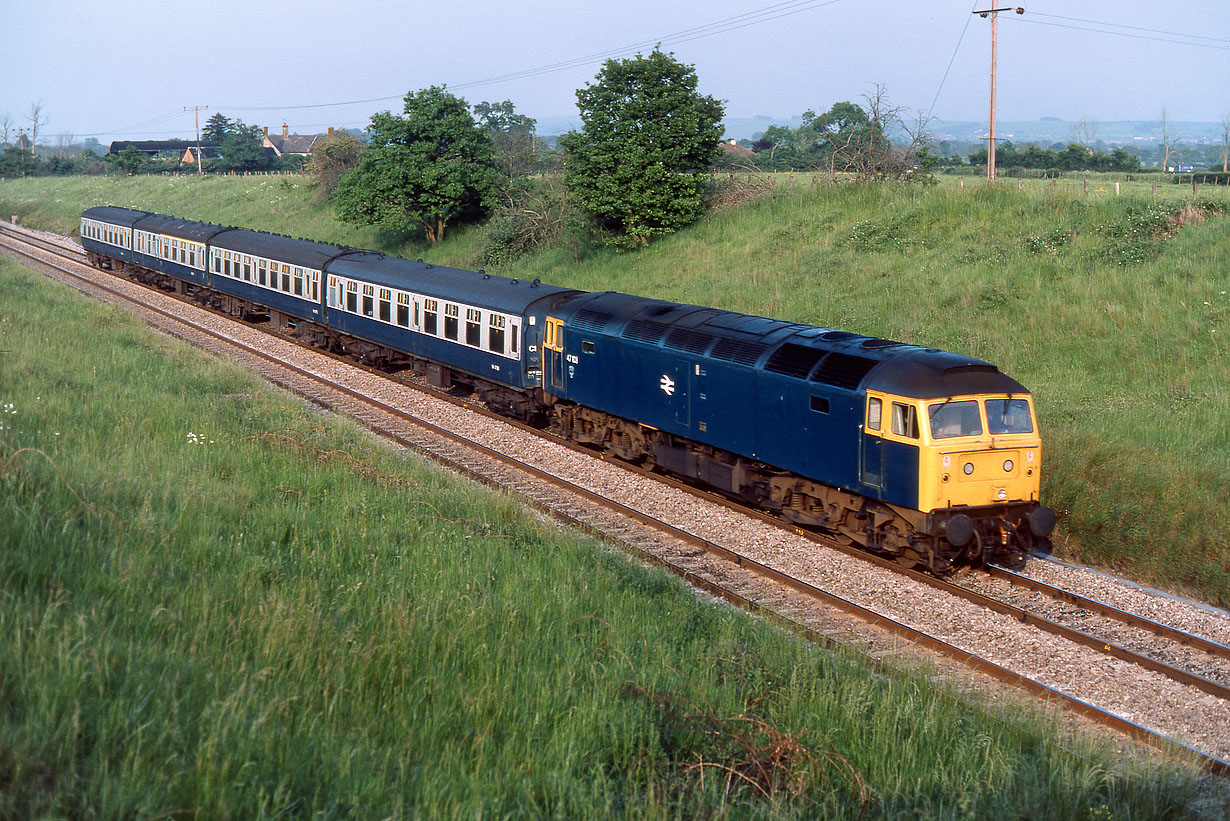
[[1110, 308], [217, 602]]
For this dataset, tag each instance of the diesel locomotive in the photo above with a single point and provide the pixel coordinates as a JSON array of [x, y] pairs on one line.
[[929, 457]]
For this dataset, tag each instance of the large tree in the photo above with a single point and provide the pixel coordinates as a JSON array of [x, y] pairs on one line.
[[242, 149], [422, 170], [648, 136], [216, 128], [513, 134]]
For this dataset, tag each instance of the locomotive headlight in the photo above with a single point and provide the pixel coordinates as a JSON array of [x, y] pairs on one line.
[[969, 468], [1008, 466]]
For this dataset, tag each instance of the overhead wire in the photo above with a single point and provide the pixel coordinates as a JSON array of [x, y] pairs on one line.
[[1133, 28], [1025, 19]]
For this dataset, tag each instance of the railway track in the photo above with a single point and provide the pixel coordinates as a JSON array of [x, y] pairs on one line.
[[721, 570]]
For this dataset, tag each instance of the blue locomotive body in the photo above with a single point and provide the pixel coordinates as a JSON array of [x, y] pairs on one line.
[[778, 393]]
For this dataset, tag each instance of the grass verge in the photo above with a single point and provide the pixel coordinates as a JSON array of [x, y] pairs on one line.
[[216, 601]]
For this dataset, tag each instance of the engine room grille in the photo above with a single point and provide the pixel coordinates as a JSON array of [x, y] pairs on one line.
[[734, 350], [643, 330], [688, 340], [590, 320], [793, 360], [843, 370]]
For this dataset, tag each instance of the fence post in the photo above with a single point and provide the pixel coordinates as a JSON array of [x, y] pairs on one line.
[[1086, 186], [1116, 189]]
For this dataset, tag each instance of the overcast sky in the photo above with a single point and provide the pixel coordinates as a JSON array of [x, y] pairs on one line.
[[128, 70]]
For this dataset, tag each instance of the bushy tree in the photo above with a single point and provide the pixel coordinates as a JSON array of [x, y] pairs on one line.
[[333, 157], [648, 136], [18, 162], [216, 128], [130, 160], [513, 134], [422, 170], [242, 149]]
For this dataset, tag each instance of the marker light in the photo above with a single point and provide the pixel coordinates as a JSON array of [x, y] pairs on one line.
[[969, 468]]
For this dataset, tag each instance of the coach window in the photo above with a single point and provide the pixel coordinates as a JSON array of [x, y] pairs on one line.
[[874, 410], [403, 310], [513, 336], [495, 337], [905, 420], [386, 305], [450, 321], [314, 276], [430, 312], [286, 278], [352, 297], [247, 268], [474, 327], [369, 307]]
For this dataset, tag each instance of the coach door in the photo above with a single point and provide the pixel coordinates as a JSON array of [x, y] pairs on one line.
[[553, 351]]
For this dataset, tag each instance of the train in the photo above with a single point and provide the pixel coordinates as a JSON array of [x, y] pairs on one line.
[[927, 457]]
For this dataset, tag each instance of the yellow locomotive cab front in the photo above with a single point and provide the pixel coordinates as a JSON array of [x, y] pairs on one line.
[[979, 451]]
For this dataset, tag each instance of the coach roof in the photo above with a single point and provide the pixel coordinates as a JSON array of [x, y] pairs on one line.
[[178, 227], [304, 252], [474, 288], [114, 215]]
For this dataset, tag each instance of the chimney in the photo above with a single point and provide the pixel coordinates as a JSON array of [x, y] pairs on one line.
[[285, 130], [330, 131], [266, 131]]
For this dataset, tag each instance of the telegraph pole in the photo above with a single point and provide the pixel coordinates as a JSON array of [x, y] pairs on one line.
[[196, 116], [993, 13]]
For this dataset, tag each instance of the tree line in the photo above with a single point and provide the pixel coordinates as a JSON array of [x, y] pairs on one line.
[[635, 171]]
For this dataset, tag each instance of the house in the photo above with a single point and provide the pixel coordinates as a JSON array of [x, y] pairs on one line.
[[151, 147], [292, 143], [208, 152], [733, 149]]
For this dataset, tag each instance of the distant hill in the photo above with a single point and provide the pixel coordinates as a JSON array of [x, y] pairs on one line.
[[1045, 131]]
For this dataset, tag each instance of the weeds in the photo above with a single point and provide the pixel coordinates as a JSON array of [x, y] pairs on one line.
[[743, 752]]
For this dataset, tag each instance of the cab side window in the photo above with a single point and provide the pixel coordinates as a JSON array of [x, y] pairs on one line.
[[874, 412], [905, 420]]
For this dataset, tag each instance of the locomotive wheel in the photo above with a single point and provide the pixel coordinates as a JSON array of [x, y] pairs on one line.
[[910, 559]]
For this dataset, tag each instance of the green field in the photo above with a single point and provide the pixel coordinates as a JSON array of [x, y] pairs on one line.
[[218, 602], [1110, 308]]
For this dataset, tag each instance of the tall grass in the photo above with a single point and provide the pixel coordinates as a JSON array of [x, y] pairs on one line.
[[217, 602], [1110, 308]]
